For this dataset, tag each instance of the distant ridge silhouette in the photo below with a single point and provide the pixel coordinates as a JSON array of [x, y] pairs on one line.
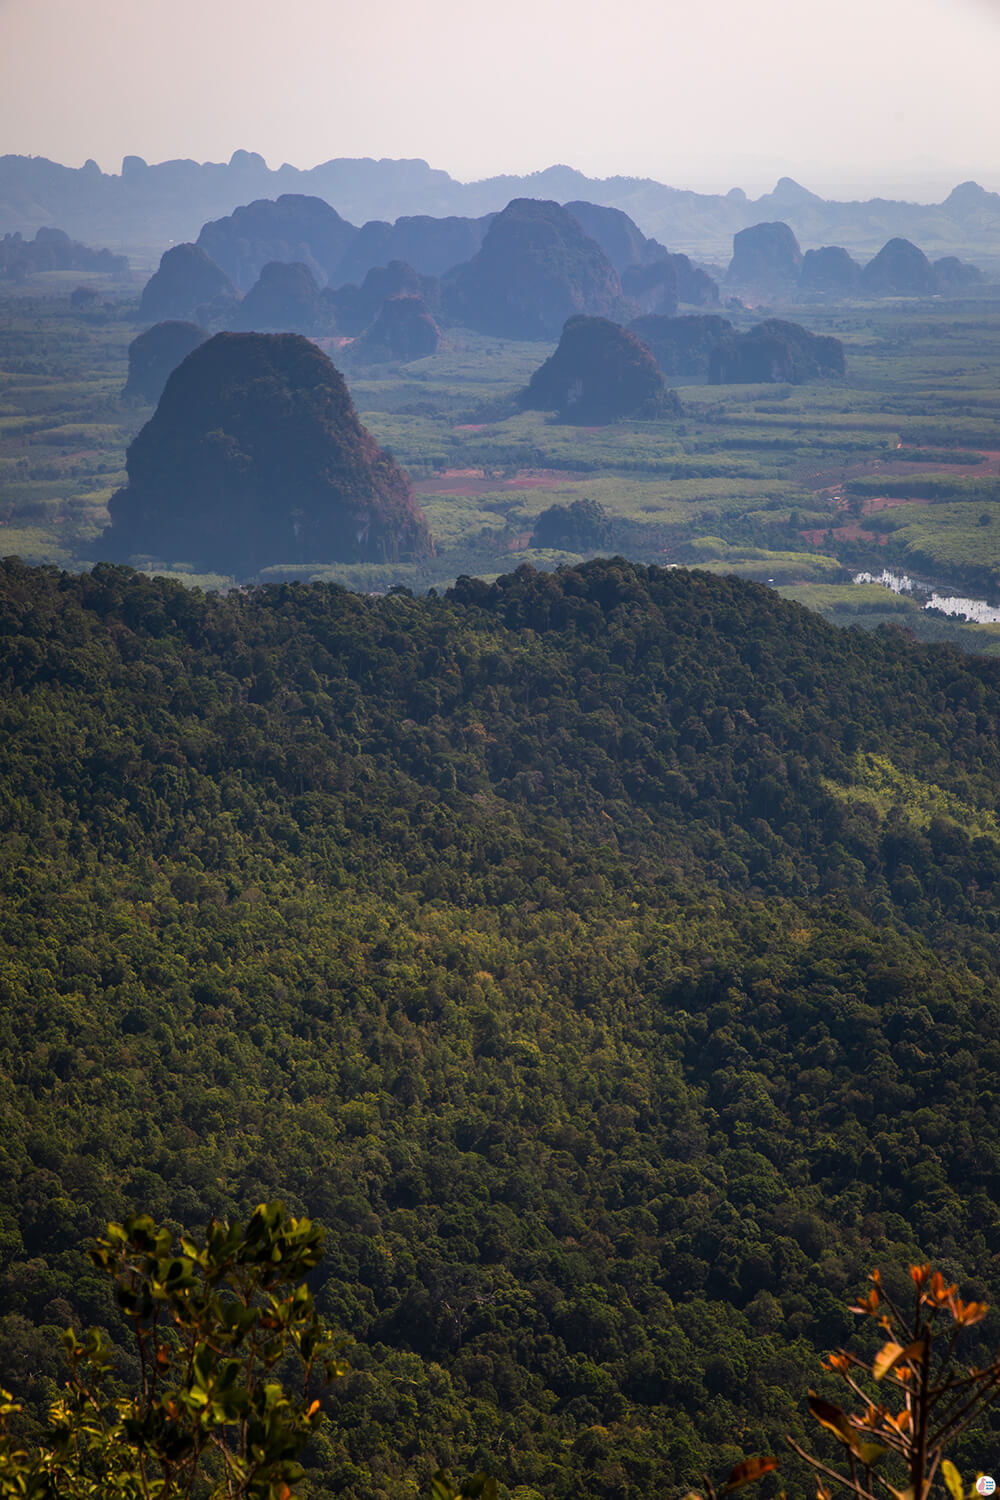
[[146, 205]]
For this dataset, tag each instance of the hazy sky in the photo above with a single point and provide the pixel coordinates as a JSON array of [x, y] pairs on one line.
[[848, 96]]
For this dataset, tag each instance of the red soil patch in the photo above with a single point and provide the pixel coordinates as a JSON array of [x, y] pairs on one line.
[[898, 464], [853, 533], [989, 462]]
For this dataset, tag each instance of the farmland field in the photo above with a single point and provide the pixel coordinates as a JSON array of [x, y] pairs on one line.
[[800, 486]]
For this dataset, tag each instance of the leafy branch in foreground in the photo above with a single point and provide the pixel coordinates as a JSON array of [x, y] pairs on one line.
[[915, 1398], [212, 1321], [221, 1323]]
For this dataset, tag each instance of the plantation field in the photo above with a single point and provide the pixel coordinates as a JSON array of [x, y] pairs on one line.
[[63, 425], [801, 486]]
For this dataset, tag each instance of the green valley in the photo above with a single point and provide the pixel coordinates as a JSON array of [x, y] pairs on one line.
[[895, 465]]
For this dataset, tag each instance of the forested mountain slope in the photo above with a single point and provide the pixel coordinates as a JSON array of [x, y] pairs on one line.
[[607, 958]]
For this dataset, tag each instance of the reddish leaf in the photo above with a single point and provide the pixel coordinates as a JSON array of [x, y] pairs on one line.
[[833, 1419], [747, 1471]]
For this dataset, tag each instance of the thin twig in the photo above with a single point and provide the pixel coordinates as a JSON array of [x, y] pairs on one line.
[[822, 1468]]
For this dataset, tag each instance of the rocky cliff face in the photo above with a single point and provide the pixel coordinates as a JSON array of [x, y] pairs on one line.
[[652, 288], [621, 239], [188, 286], [599, 373], [155, 354], [536, 268], [694, 286], [766, 260], [255, 456]]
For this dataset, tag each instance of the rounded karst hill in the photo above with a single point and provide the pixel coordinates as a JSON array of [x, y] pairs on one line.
[[188, 285], [766, 259], [430, 245], [776, 351], [535, 269], [356, 307], [681, 346], [599, 373], [295, 227], [255, 457], [584, 526], [957, 277], [284, 299], [155, 354], [404, 330], [829, 271], [900, 269]]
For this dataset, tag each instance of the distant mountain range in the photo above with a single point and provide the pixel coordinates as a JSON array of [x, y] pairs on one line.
[[145, 207]]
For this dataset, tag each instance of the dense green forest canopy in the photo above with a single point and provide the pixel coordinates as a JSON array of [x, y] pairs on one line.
[[607, 958]]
